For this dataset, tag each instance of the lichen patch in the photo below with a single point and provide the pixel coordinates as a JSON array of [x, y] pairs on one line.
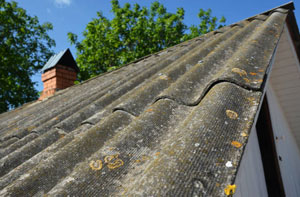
[[230, 190], [239, 71], [236, 144], [231, 114], [96, 165]]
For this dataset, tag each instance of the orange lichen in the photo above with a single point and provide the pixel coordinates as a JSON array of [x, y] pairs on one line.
[[261, 70], [252, 73], [239, 71], [149, 110], [231, 114], [218, 184], [96, 165], [236, 144], [230, 190], [156, 154]]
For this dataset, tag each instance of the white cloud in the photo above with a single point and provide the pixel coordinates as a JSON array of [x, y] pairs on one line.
[[62, 3]]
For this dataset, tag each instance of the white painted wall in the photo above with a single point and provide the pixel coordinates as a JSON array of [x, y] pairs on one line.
[[285, 80], [250, 180], [286, 146]]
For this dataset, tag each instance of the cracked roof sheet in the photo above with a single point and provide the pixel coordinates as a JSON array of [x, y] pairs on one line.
[[163, 125]]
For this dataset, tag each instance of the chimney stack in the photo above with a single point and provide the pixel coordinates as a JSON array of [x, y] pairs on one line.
[[59, 73]]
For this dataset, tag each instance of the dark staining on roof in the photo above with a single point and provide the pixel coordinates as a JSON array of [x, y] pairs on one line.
[[172, 123]]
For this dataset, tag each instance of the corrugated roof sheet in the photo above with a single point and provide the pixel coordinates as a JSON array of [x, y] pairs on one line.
[[163, 125]]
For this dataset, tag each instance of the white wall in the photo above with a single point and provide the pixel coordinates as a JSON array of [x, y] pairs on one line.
[[286, 146], [250, 180]]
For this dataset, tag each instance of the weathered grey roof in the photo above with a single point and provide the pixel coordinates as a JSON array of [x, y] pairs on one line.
[[63, 57], [163, 125]]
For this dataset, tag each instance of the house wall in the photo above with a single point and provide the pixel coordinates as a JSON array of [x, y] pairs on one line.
[[285, 80], [250, 180], [287, 149]]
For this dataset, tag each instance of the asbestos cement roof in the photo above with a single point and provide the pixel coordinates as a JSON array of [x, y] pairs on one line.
[[163, 125], [64, 58]]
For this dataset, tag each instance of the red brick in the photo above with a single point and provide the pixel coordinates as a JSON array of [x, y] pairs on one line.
[[60, 77]]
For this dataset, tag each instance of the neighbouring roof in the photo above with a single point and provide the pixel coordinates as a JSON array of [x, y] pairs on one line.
[[63, 58], [163, 125]]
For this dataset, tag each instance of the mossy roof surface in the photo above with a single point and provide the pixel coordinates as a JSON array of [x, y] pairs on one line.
[[163, 125]]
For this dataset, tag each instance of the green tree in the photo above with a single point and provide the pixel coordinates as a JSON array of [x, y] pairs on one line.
[[133, 32], [24, 49], [207, 23]]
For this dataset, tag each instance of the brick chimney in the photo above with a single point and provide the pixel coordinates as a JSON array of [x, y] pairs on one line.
[[59, 73]]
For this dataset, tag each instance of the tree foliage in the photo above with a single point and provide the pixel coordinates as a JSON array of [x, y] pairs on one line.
[[24, 49], [133, 32], [207, 23]]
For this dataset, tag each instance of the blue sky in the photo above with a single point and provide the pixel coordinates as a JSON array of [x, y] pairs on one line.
[[73, 15]]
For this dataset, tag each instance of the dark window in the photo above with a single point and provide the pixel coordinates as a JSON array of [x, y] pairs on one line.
[[268, 152]]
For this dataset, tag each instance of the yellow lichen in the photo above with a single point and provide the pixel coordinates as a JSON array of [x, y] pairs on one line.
[[236, 144], [230, 190], [231, 114], [239, 71], [116, 164], [246, 80], [164, 77], [113, 161], [30, 128], [243, 134], [252, 100], [144, 158], [109, 158], [248, 124], [156, 154], [96, 165], [261, 70], [258, 81]]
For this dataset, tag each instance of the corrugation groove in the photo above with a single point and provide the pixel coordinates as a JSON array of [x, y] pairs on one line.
[[141, 71], [163, 115]]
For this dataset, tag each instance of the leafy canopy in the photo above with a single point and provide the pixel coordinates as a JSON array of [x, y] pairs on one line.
[[24, 49], [133, 32]]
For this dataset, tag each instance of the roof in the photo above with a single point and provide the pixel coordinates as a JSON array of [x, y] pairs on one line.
[[163, 125], [64, 58]]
